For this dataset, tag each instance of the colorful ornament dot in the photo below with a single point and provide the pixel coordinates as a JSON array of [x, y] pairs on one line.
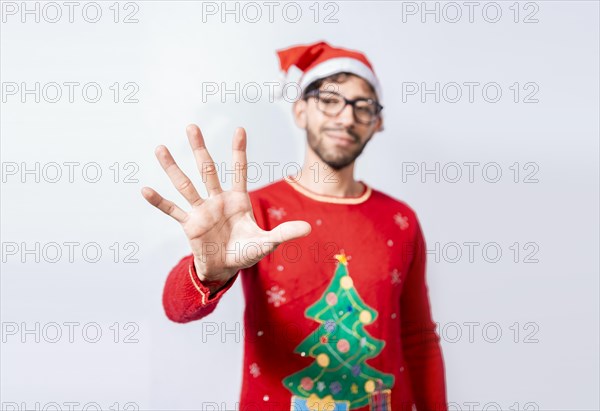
[[307, 383], [335, 387], [346, 282], [343, 345], [330, 326], [331, 298], [365, 317], [370, 386], [323, 360]]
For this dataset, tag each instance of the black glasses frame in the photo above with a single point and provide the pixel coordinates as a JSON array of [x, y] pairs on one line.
[[378, 107]]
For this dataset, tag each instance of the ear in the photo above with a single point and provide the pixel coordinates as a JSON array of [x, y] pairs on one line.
[[299, 108]]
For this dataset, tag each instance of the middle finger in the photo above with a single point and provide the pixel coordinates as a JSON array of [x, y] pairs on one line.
[[205, 163]]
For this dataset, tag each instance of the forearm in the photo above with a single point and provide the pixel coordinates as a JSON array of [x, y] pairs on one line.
[[425, 362]]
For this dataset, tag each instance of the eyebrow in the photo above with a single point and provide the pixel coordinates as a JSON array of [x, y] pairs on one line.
[[355, 98]]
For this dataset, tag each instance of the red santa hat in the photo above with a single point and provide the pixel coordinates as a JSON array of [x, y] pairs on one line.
[[307, 63]]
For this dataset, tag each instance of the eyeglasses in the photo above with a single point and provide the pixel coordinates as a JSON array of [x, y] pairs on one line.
[[331, 103]]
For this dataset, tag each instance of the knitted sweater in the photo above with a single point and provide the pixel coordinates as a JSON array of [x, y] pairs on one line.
[[339, 316]]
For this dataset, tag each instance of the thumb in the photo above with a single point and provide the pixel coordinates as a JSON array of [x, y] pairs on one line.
[[289, 231]]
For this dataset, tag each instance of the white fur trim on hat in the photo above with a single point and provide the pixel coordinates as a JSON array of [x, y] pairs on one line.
[[338, 65]]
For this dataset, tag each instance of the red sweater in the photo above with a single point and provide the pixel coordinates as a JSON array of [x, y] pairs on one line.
[[384, 249]]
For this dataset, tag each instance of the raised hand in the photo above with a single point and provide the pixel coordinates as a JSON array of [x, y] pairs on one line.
[[221, 229]]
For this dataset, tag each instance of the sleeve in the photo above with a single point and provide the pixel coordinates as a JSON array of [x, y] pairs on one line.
[[420, 342], [185, 297]]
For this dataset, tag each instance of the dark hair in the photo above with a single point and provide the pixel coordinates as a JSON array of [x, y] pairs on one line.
[[334, 78]]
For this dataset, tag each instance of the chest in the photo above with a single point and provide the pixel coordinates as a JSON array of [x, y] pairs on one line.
[[377, 249]]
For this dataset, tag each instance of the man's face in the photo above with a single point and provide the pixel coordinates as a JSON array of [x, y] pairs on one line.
[[337, 140]]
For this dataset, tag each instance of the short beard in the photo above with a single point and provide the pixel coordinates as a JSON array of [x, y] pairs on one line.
[[337, 163]]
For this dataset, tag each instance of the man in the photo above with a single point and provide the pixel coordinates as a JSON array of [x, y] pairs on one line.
[[333, 271]]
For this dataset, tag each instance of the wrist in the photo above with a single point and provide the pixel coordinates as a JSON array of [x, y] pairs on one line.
[[213, 285]]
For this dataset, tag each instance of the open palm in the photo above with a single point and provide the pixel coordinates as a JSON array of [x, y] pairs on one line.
[[221, 229]]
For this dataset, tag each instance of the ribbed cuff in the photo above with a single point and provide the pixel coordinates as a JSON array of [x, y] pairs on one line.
[[202, 287]]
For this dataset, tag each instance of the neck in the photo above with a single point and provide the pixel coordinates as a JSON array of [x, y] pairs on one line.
[[319, 178]]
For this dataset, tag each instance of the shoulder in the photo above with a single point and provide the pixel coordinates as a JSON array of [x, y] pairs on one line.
[[388, 201], [397, 211]]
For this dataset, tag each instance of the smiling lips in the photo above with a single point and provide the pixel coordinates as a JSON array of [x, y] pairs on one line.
[[340, 138]]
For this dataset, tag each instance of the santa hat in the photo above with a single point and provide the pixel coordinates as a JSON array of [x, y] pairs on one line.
[[304, 64]]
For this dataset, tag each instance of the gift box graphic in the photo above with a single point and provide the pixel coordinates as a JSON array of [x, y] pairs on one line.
[[314, 403], [381, 401]]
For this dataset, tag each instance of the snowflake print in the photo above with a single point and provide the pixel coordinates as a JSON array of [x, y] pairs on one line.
[[401, 221], [276, 296], [320, 386], [276, 213], [254, 370], [396, 276]]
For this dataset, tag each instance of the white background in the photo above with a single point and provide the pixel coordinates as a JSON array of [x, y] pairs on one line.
[[170, 53]]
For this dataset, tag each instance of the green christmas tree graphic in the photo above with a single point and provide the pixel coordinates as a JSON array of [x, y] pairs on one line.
[[340, 347]]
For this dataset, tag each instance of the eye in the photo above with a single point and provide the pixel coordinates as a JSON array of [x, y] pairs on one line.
[[367, 109]]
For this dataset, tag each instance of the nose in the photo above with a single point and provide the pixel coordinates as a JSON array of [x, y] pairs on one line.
[[346, 116]]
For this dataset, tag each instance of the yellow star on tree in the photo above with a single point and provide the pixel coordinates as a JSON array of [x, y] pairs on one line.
[[342, 257]]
